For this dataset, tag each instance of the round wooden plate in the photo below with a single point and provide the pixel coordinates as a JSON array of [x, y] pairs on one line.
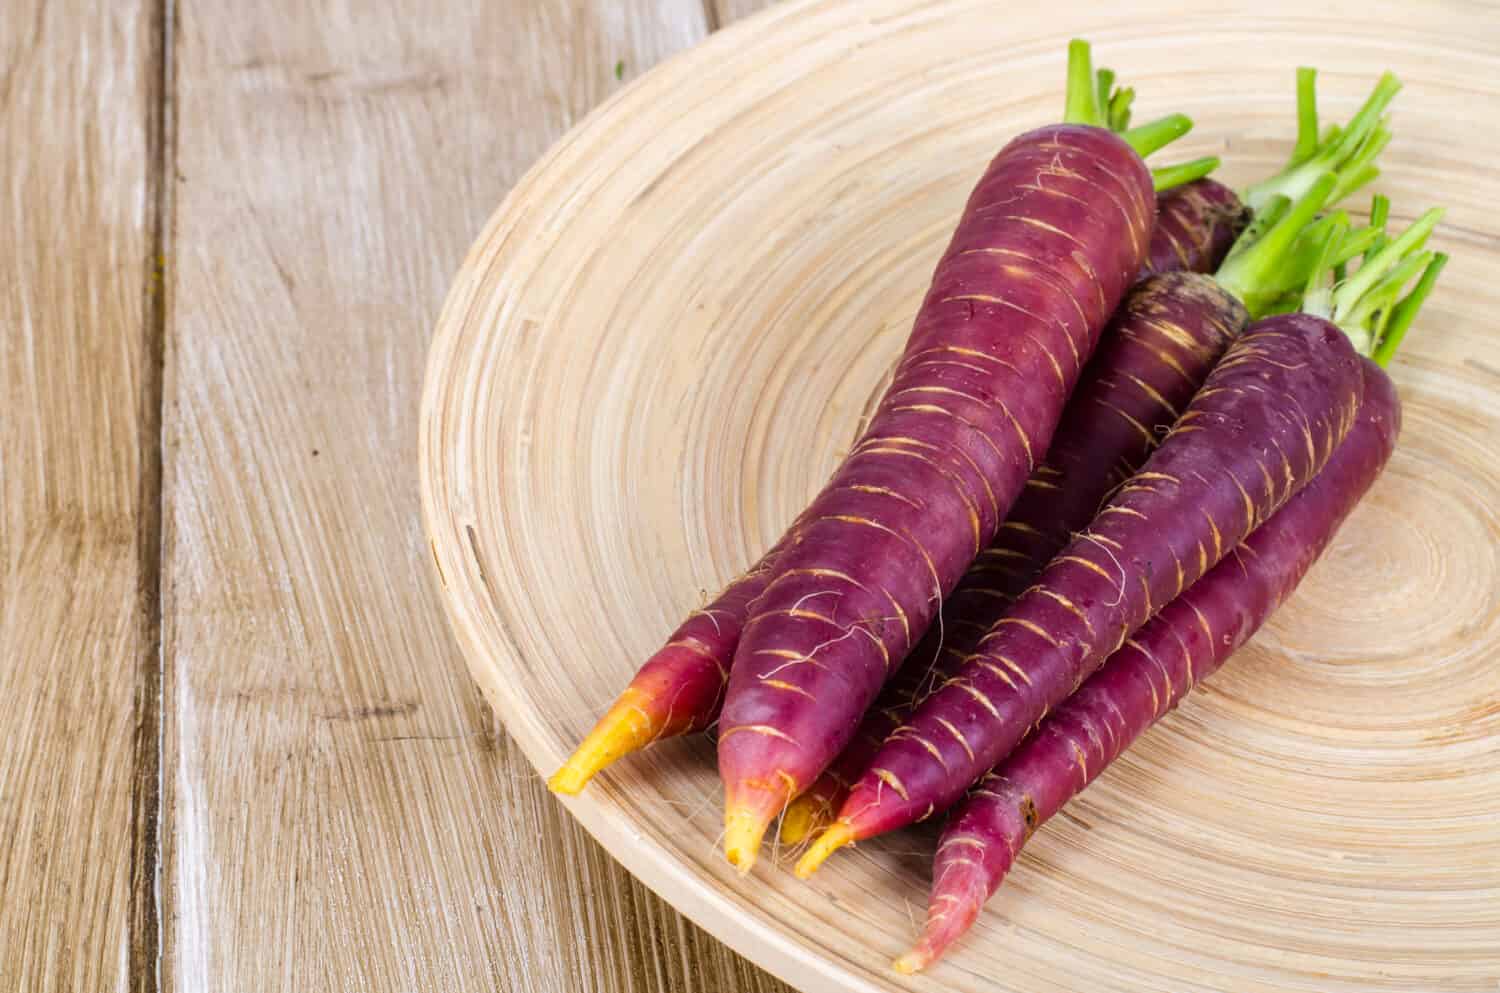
[[668, 334]]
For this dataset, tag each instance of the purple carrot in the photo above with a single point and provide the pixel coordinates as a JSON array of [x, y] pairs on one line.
[[1156, 352], [1186, 642], [1052, 235], [680, 689], [1195, 225], [1099, 442], [1268, 417]]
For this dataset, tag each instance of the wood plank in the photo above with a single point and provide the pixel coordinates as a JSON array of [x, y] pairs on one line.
[[340, 811], [78, 88]]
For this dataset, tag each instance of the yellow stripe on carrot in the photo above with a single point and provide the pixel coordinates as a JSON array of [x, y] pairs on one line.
[[1031, 626], [781, 684], [993, 669], [978, 696], [957, 736]]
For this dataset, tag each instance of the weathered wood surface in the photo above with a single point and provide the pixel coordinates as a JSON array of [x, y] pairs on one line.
[[79, 316], [339, 809]]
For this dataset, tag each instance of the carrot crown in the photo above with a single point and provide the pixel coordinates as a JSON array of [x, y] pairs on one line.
[[1373, 306], [1272, 260], [1347, 151], [1093, 99]]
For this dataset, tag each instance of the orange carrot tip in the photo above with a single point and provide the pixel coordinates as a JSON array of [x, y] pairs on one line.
[[627, 727], [837, 836]]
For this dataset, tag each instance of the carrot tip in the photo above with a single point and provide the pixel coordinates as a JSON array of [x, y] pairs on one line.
[[837, 836], [749, 808], [917, 959], [570, 779], [799, 821], [624, 729], [957, 897], [743, 830]]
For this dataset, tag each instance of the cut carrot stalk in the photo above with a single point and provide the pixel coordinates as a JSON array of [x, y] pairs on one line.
[[1350, 150]]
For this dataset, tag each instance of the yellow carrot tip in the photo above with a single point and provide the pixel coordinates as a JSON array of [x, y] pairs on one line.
[[574, 775], [744, 827], [914, 961], [799, 820], [624, 729], [749, 808], [830, 841]]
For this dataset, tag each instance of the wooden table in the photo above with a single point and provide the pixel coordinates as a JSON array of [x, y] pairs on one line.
[[242, 751]]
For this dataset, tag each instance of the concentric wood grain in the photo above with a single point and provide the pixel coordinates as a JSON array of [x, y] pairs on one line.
[[667, 335]]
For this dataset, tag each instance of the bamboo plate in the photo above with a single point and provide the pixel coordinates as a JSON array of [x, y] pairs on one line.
[[668, 333]]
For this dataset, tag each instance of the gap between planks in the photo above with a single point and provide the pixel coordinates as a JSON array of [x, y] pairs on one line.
[[144, 925]]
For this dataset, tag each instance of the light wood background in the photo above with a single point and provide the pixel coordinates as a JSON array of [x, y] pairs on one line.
[[242, 751]]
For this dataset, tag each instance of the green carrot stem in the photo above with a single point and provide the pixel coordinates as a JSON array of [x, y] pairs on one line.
[[1158, 134], [1317, 294], [1255, 274], [1384, 294], [1368, 117], [1360, 169], [1082, 101], [1380, 212], [1330, 239], [1119, 109], [1104, 87], [1369, 306], [1307, 115], [1348, 152], [1383, 261], [1356, 244], [1404, 312], [1093, 99], [1260, 222], [1304, 258], [1353, 181], [1167, 177]]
